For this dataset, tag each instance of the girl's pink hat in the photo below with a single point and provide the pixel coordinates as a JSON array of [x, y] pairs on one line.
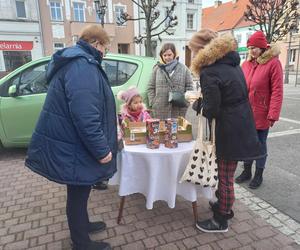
[[127, 95]]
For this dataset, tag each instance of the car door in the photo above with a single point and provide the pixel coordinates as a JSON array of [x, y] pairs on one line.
[[19, 114]]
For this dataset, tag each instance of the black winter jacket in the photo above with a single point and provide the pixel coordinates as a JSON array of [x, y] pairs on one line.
[[225, 98]]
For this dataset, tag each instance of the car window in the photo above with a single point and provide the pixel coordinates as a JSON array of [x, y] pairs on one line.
[[118, 72], [33, 80], [5, 86]]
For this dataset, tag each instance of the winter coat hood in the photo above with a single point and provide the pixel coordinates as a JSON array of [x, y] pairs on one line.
[[64, 56], [216, 50], [270, 53]]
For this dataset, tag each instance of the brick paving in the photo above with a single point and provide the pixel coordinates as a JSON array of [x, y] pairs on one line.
[[32, 216]]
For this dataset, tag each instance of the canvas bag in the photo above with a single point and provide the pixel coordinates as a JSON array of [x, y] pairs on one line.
[[202, 168]]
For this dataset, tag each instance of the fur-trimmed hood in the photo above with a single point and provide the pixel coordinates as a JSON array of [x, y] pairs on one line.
[[270, 53], [213, 52]]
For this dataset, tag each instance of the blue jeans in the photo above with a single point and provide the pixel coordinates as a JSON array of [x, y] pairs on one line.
[[262, 136]]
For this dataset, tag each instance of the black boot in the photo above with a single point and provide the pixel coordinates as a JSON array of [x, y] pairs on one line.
[[245, 175], [101, 185], [258, 179], [217, 224]]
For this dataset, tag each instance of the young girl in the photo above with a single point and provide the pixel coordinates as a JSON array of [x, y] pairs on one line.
[[133, 109]]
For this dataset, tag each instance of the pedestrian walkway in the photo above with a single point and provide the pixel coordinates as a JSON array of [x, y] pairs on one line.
[[32, 216]]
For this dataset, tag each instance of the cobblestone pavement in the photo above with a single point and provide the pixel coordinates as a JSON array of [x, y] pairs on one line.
[[32, 216]]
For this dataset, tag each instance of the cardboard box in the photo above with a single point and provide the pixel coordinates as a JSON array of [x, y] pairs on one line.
[[135, 132]]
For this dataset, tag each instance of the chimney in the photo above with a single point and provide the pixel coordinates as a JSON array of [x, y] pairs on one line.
[[218, 3]]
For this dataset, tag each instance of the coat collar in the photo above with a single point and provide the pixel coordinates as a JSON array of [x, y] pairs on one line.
[[213, 52], [270, 53]]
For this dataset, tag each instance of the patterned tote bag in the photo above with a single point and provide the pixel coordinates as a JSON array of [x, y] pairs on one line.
[[202, 168]]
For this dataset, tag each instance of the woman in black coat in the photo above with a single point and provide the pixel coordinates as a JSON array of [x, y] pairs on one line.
[[225, 98]]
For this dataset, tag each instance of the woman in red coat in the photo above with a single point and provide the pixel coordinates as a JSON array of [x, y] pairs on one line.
[[264, 77]]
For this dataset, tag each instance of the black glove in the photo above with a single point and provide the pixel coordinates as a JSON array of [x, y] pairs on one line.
[[197, 105]]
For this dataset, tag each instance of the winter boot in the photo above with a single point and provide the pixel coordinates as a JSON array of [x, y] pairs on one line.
[[258, 178], [245, 175], [217, 224]]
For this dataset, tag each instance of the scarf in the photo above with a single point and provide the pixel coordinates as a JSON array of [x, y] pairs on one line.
[[135, 114], [170, 67]]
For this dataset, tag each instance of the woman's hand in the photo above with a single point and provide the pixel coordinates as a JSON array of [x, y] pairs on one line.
[[271, 122], [106, 159]]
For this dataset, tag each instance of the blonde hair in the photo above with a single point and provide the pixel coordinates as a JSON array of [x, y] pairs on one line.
[[93, 33]]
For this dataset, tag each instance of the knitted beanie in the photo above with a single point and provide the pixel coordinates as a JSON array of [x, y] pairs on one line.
[[128, 94], [258, 40], [201, 38]]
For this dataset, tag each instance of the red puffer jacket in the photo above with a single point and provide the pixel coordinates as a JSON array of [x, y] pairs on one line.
[[264, 79]]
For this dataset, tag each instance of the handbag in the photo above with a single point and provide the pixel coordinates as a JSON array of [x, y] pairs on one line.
[[177, 99], [202, 168]]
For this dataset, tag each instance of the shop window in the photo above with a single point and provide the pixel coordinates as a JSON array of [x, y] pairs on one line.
[[15, 59], [78, 12], [123, 48], [56, 11], [20, 7], [118, 72]]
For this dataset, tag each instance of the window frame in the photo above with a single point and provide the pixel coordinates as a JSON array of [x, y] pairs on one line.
[[117, 66], [20, 17], [58, 48], [45, 63], [187, 21], [78, 3], [124, 7], [56, 8]]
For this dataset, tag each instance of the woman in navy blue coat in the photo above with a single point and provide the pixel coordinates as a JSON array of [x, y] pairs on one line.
[[75, 139]]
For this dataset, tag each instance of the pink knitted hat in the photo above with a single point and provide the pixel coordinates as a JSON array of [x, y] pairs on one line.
[[127, 95]]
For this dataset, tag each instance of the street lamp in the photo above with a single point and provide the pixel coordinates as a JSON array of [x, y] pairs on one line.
[[101, 6]]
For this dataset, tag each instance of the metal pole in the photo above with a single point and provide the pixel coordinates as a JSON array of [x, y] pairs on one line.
[[287, 71], [297, 64]]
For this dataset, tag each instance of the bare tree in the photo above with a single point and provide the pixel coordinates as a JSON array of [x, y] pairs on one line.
[[155, 26], [275, 17]]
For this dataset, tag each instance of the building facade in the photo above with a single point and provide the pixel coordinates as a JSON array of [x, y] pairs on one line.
[[62, 21], [20, 34]]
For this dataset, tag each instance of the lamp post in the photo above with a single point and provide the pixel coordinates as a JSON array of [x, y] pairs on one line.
[[101, 6]]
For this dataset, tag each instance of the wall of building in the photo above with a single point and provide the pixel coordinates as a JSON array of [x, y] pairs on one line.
[[67, 30], [20, 38]]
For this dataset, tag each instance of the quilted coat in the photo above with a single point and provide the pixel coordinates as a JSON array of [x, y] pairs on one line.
[[264, 79], [77, 126], [161, 84], [225, 98]]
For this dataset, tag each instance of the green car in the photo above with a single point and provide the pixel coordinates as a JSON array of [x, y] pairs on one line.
[[23, 92]]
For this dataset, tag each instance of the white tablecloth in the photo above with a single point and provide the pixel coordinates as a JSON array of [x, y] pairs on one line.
[[156, 174]]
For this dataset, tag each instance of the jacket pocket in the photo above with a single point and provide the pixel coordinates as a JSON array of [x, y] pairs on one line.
[[61, 160], [260, 101]]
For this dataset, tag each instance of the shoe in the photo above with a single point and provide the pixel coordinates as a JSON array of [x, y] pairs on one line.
[[97, 226], [245, 175], [212, 226], [102, 185], [93, 245], [258, 179]]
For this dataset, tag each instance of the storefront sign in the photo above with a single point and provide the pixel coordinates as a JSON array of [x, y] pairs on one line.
[[15, 45]]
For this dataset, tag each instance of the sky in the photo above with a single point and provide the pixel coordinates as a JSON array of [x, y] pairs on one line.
[[208, 3]]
